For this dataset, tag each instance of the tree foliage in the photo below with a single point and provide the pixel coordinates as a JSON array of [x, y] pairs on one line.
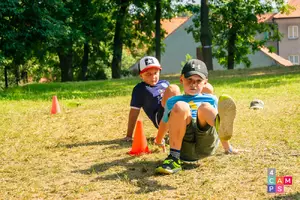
[[67, 40], [235, 27]]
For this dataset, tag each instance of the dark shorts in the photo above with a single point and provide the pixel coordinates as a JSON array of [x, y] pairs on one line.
[[198, 143]]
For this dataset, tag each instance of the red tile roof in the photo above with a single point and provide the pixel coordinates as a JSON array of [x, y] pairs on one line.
[[294, 2], [171, 25], [277, 58], [265, 17], [293, 13]]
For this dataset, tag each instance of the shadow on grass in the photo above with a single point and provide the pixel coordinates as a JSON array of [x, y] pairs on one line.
[[136, 173], [116, 144], [287, 197]]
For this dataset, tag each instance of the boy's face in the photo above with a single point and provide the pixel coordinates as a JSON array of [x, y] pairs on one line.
[[151, 76], [192, 85]]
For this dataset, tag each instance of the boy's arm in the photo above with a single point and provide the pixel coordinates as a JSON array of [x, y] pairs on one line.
[[162, 130], [132, 118]]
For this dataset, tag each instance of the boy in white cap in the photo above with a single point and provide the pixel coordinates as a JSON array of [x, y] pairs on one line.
[[196, 121], [151, 94]]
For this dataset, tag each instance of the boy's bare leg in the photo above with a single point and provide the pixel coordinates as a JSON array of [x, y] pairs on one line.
[[180, 117], [206, 114], [172, 90], [228, 148]]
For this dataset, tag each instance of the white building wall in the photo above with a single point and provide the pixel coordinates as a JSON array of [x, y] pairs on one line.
[[180, 43], [177, 45], [258, 59], [288, 46]]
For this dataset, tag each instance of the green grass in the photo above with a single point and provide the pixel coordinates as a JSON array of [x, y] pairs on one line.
[[78, 154]]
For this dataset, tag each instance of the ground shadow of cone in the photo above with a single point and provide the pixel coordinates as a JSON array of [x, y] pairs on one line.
[[139, 144], [55, 105]]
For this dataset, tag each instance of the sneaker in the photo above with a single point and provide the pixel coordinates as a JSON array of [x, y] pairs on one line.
[[183, 160], [225, 118], [170, 165], [231, 150]]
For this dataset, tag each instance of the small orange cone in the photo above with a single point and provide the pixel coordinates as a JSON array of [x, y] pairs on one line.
[[139, 144], [55, 106]]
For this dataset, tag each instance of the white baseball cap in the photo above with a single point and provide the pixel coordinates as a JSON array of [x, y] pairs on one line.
[[148, 62], [257, 104]]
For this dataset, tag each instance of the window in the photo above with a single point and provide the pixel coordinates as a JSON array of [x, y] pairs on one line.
[[294, 59], [267, 35], [293, 32]]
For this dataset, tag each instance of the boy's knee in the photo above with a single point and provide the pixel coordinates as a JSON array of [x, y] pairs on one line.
[[204, 105], [208, 89], [181, 107], [204, 108], [173, 89]]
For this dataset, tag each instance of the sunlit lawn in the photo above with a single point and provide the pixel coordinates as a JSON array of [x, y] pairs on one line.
[[79, 154]]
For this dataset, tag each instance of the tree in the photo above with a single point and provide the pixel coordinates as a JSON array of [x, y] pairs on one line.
[[235, 26], [158, 30], [94, 19], [205, 35], [140, 24], [118, 38], [86, 7], [76, 39], [25, 25], [164, 9]]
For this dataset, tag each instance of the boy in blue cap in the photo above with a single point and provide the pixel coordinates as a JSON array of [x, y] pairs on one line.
[[195, 121]]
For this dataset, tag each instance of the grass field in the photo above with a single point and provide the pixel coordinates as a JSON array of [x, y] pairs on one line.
[[79, 154]]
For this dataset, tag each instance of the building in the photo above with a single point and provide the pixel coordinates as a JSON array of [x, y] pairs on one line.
[[179, 44], [288, 25]]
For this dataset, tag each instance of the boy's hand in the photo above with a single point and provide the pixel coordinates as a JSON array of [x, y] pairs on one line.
[[162, 144]]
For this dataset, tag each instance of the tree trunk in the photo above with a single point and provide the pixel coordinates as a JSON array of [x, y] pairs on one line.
[[157, 30], [85, 60], [17, 73], [205, 35], [86, 8], [24, 76], [118, 40], [66, 65], [231, 48], [5, 77]]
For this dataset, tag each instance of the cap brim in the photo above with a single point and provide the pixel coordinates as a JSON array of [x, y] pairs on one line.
[[256, 107], [188, 74], [150, 67]]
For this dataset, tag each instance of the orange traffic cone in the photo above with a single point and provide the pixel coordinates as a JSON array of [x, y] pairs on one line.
[[55, 106], [139, 144]]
